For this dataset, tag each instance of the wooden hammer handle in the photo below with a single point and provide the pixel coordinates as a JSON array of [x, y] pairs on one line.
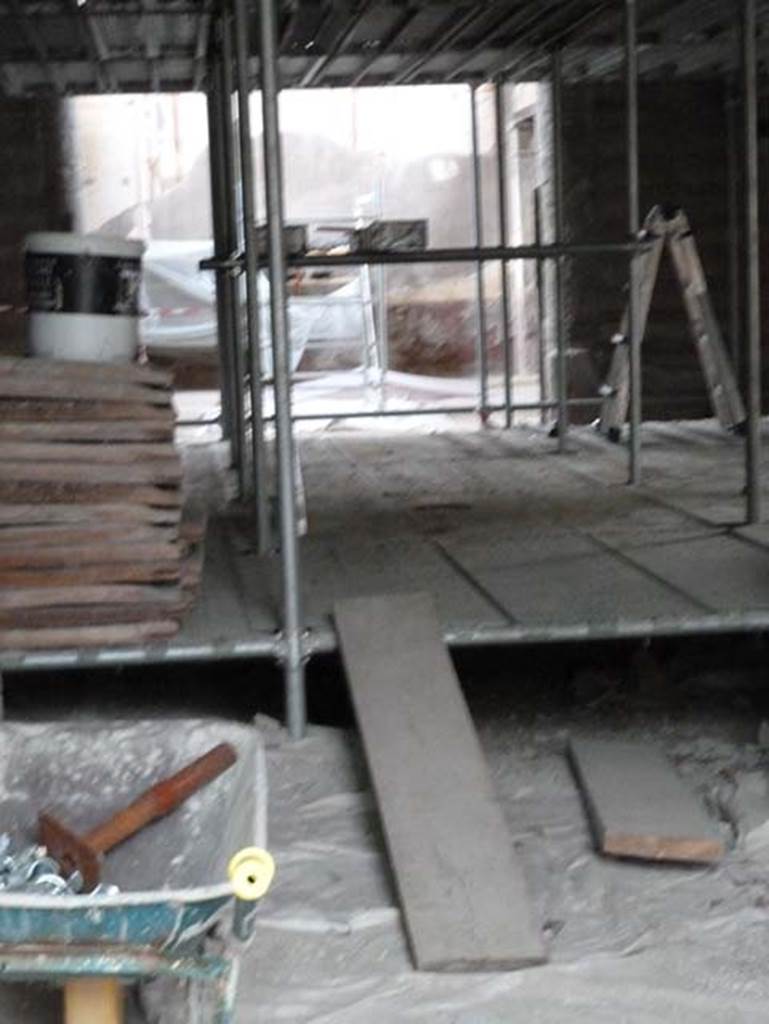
[[162, 798]]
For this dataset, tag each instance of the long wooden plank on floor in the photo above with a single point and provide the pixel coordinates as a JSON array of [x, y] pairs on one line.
[[462, 890], [639, 807]]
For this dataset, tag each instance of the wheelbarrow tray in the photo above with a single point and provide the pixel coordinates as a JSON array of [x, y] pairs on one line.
[[173, 874]]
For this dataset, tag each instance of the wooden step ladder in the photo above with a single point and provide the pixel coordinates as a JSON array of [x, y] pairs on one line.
[[670, 227]]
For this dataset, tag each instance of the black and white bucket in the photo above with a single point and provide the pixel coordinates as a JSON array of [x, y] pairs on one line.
[[83, 296]]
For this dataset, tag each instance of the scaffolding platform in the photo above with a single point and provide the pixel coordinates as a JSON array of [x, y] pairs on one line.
[[517, 543]]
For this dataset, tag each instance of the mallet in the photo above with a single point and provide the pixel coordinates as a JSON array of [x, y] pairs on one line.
[[84, 853]]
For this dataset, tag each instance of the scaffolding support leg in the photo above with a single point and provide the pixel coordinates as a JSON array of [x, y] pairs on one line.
[[229, 158], [544, 389], [296, 711], [507, 340], [219, 219], [753, 269], [562, 383], [483, 363], [634, 226], [733, 179], [247, 189]]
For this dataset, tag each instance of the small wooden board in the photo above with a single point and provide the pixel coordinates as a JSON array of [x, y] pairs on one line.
[[57, 388], [86, 575], [23, 410], [639, 807], [27, 492], [96, 514], [63, 451], [95, 432], [461, 888], [161, 472], [132, 373], [31, 598], [72, 556], [110, 533], [68, 637]]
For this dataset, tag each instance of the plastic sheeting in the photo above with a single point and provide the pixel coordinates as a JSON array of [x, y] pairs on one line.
[[628, 941]]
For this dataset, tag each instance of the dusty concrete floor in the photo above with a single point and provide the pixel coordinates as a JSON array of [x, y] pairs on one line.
[[634, 942]]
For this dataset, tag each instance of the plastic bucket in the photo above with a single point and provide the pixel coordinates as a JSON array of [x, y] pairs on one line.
[[83, 296]]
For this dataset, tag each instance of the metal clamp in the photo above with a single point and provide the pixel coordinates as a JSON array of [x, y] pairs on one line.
[[234, 264]]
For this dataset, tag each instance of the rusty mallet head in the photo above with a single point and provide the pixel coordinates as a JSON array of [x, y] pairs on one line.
[[84, 853]]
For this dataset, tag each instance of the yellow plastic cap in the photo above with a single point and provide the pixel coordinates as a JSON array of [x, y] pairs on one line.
[[251, 872]]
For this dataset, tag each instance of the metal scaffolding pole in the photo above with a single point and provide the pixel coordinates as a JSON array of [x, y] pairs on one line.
[[634, 227], [507, 341], [753, 269], [733, 184], [233, 244], [259, 464], [483, 366], [562, 383], [293, 663], [541, 354], [219, 223]]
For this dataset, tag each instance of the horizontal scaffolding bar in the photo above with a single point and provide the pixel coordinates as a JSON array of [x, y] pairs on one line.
[[470, 254], [322, 640]]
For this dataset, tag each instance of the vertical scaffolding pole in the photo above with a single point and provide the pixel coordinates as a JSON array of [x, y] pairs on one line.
[[219, 224], [562, 383], [733, 202], [634, 227], [507, 341], [289, 543], [247, 191], [483, 365], [753, 269], [541, 354], [233, 244]]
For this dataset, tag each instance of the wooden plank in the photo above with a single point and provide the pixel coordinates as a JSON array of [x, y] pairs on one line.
[[23, 410], [129, 372], [63, 536], [87, 636], [116, 572], [60, 616], [462, 891], [94, 514], [639, 807], [160, 472], [98, 432], [70, 556], [114, 594], [113, 454], [56, 389], [31, 491]]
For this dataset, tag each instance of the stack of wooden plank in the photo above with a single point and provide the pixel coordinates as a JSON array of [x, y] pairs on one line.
[[95, 545]]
